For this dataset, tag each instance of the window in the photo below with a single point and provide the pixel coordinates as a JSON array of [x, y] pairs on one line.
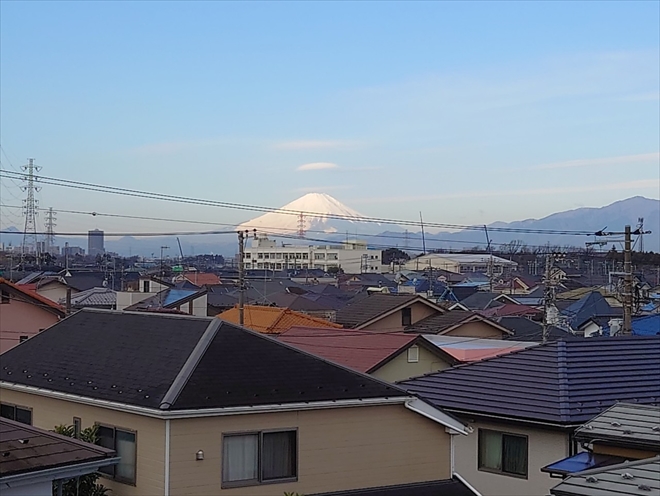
[[5, 297], [267, 256], [413, 354], [406, 316], [332, 256], [248, 255], [260, 255], [20, 414], [305, 256], [123, 442], [502, 453], [249, 459], [145, 286], [22, 339]]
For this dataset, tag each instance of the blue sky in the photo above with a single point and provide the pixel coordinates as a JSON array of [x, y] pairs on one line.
[[470, 112]]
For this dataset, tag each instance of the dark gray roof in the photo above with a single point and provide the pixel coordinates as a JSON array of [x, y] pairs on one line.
[[447, 487], [563, 382], [627, 424], [435, 324], [479, 300], [641, 477], [26, 450], [295, 302], [177, 362], [364, 309], [525, 329]]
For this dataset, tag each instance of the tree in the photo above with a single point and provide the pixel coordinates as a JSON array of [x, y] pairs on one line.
[[394, 255], [85, 485]]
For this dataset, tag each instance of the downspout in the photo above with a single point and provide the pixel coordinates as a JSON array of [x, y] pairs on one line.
[[167, 457], [451, 455]]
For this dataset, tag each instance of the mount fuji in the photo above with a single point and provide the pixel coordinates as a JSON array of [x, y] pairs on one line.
[[313, 213]]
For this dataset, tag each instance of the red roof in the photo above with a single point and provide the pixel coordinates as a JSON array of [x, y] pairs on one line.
[[33, 296], [202, 278], [359, 350], [509, 310]]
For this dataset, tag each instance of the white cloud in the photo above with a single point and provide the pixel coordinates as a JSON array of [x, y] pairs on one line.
[[317, 166], [314, 144], [590, 162]]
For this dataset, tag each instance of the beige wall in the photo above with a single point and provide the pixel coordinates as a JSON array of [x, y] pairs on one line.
[[632, 453], [476, 329], [18, 318], [48, 412], [54, 291], [392, 322], [544, 448], [338, 449], [128, 298], [399, 369]]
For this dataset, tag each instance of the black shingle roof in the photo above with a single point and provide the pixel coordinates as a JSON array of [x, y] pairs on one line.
[[177, 362], [525, 329], [367, 308], [565, 382], [479, 300], [435, 324], [448, 487]]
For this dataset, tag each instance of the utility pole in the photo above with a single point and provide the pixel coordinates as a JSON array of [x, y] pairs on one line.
[[548, 295], [241, 278], [627, 283], [490, 260], [30, 207]]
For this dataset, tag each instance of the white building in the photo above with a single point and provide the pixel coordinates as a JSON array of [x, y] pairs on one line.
[[353, 257], [462, 263]]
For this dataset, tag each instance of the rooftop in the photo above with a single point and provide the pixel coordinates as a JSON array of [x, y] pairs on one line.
[[564, 383], [273, 320], [18, 292], [173, 362], [440, 323], [448, 487], [365, 309]]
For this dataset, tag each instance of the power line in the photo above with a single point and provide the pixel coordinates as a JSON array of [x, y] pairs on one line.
[[240, 206]]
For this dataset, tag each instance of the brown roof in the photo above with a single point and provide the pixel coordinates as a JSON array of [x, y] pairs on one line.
[[27, 449], [32, 297], [359, 350], [376, 305], [440, 323], [273, 320], [202, 278]]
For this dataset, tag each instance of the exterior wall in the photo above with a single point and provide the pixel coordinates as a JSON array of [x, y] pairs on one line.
[[391, 322], [544, 448], [399, 369], [127, 298], [199, 306], [475, 330], [337, 449], [19, 318], [632, 453], [150, 475], [54, 291]]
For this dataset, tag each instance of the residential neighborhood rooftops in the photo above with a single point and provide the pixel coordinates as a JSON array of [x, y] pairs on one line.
[[629, 424], [440, 323], [563, 383], [172, 362], [26, 449], [637, 478], [16, 291], [94, 297], [359, 350], [273, 320], [365, 309]]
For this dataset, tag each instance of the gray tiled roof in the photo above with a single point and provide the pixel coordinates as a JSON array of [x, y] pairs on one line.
[[174, 362], [437, 323], [370, 307], [105, 297], [564, 382], [627, 424], [638, 478], [479, 300]]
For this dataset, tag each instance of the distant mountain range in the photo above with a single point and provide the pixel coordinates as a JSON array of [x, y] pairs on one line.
[[324, 225]]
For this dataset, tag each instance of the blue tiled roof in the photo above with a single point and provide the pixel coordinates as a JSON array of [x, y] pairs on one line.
[[591, 305], [174, 295], [565, 382]]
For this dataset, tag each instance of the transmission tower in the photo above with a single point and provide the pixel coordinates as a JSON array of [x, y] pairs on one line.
[[51, 217], [30, 207]]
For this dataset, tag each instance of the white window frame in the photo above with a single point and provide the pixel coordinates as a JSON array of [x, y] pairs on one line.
[[413, 354]]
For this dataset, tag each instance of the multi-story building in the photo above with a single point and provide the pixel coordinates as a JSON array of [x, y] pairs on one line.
[[353, 257], [462, 263], [95, 244]]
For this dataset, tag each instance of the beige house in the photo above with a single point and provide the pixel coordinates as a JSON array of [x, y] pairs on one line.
[[201, 407], [385, 312], [525, 407], [23, 314], [461, 324]]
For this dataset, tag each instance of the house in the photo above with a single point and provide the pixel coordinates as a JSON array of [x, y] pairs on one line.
[[461, 262], [24, 314], [644, 325], [624, 432], [201, 278], [273, 320], [180, 298], [460, 323], [640, 477], [592, 305], [299, 303], [461, 350], [387, 356], [456, 486], [94, 297], [525, 329], [198, 406], [35, 460], [513, 310], [386, 312], [481, 300], [525, 406]]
